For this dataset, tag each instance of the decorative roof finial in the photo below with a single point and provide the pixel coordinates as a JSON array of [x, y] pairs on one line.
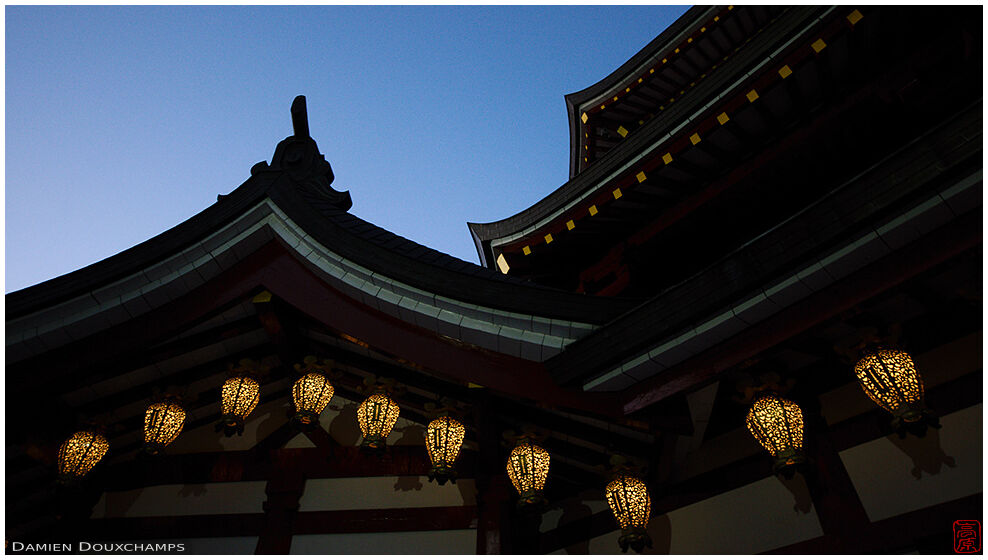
[[299, 157], [300, 117]]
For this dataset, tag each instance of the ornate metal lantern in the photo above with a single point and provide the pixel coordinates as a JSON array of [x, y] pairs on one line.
[[377, 416], [528, 468], [240, 395], [777, 424], [163, 422], [311, 393], [890, 378], [629, 501], [79, 454], [444, 437]]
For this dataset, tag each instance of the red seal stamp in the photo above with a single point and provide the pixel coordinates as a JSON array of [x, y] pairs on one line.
[[967, 536]]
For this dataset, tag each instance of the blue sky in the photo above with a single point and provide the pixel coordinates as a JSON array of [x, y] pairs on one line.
[[122, 122]]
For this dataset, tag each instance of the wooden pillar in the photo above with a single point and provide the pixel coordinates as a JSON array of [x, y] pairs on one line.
[[841, 513], [524, 532], [494, 516], [494, 491], [284, 490]]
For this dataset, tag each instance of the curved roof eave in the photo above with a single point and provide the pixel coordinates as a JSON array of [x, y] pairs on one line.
[[577, 101], [305, 195], [482, 232]]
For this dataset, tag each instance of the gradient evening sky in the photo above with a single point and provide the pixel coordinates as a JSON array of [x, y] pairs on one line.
[[122, 122]]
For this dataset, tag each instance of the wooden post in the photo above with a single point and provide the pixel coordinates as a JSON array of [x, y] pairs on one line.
[[494, 493], [284, 490], [841, 513]]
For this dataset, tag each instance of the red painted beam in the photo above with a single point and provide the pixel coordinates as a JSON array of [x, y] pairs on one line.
[[950, 240], [300, 287], [275, 268]]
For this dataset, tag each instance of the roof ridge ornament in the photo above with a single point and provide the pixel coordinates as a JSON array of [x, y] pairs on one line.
[[299, 156], [300, 117]]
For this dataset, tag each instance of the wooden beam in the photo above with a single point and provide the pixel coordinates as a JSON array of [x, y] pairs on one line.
[[945, 398], [952, 239]]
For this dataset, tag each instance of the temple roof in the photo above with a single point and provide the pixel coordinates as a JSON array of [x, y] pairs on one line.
[[299, 180]]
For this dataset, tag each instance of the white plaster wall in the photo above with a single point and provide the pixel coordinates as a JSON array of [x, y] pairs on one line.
[[384, 492], [894, 476], [183, 499], [461, 541], [577, 507], [265, 419]]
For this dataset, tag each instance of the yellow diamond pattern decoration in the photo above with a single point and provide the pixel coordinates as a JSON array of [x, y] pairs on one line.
[[785, 71], [622, 131], [571, 225], [584, 118], [548, 238], [617, 194], [723, 118], [819, 45], [641, 177], [667, 159], [593, 210], [695, 139], [854, 17], [502, 264], [526, 250], [752, 96]]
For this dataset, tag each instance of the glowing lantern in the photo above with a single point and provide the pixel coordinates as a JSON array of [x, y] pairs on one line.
[[79, 454], [311, 393], [777, 424], [376, 416], [528, 467], [163, 422], [629, 501], [444, 437], [889, 377], [240, 396]]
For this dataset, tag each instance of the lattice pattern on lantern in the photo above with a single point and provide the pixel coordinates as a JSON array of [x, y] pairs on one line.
[[890, 378], [240, 396], [377, 415], [528, 467], [777, 424], [311, 393], [80, 453], [444, 439], [163, 422], [629, 501]]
